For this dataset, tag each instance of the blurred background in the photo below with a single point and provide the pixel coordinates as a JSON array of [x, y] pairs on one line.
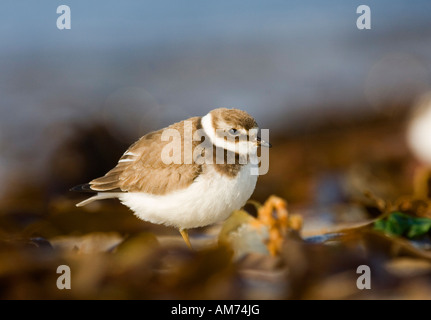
[[336, 100]]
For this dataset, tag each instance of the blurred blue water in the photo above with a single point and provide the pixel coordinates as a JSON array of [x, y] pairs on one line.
[[148, 63]]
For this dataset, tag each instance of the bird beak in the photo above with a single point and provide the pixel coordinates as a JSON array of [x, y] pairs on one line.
[[262, 143]]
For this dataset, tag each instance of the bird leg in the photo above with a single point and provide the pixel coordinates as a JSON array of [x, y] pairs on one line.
[[421, 182], [185, 235]]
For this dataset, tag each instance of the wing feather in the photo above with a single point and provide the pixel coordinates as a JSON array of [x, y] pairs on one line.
[[141, 168]]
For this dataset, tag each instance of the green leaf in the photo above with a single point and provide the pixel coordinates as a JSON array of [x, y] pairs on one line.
[[401, 224]]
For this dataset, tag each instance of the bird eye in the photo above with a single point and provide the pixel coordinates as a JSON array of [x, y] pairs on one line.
[[233, 132]]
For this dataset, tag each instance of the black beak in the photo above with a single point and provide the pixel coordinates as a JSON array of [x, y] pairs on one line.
[[263, 143]]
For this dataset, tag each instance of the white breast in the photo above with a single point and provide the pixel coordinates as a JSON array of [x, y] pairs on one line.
[[210, 198]]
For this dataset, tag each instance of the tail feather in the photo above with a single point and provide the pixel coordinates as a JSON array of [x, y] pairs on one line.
[[95, 188], [99, 196], [86, 187]]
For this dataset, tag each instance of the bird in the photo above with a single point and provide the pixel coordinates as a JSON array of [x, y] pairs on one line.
[[191, 174], [418, 136], [419, 129]]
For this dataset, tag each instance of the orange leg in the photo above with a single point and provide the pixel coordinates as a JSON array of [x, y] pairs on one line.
[[185, 235]]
